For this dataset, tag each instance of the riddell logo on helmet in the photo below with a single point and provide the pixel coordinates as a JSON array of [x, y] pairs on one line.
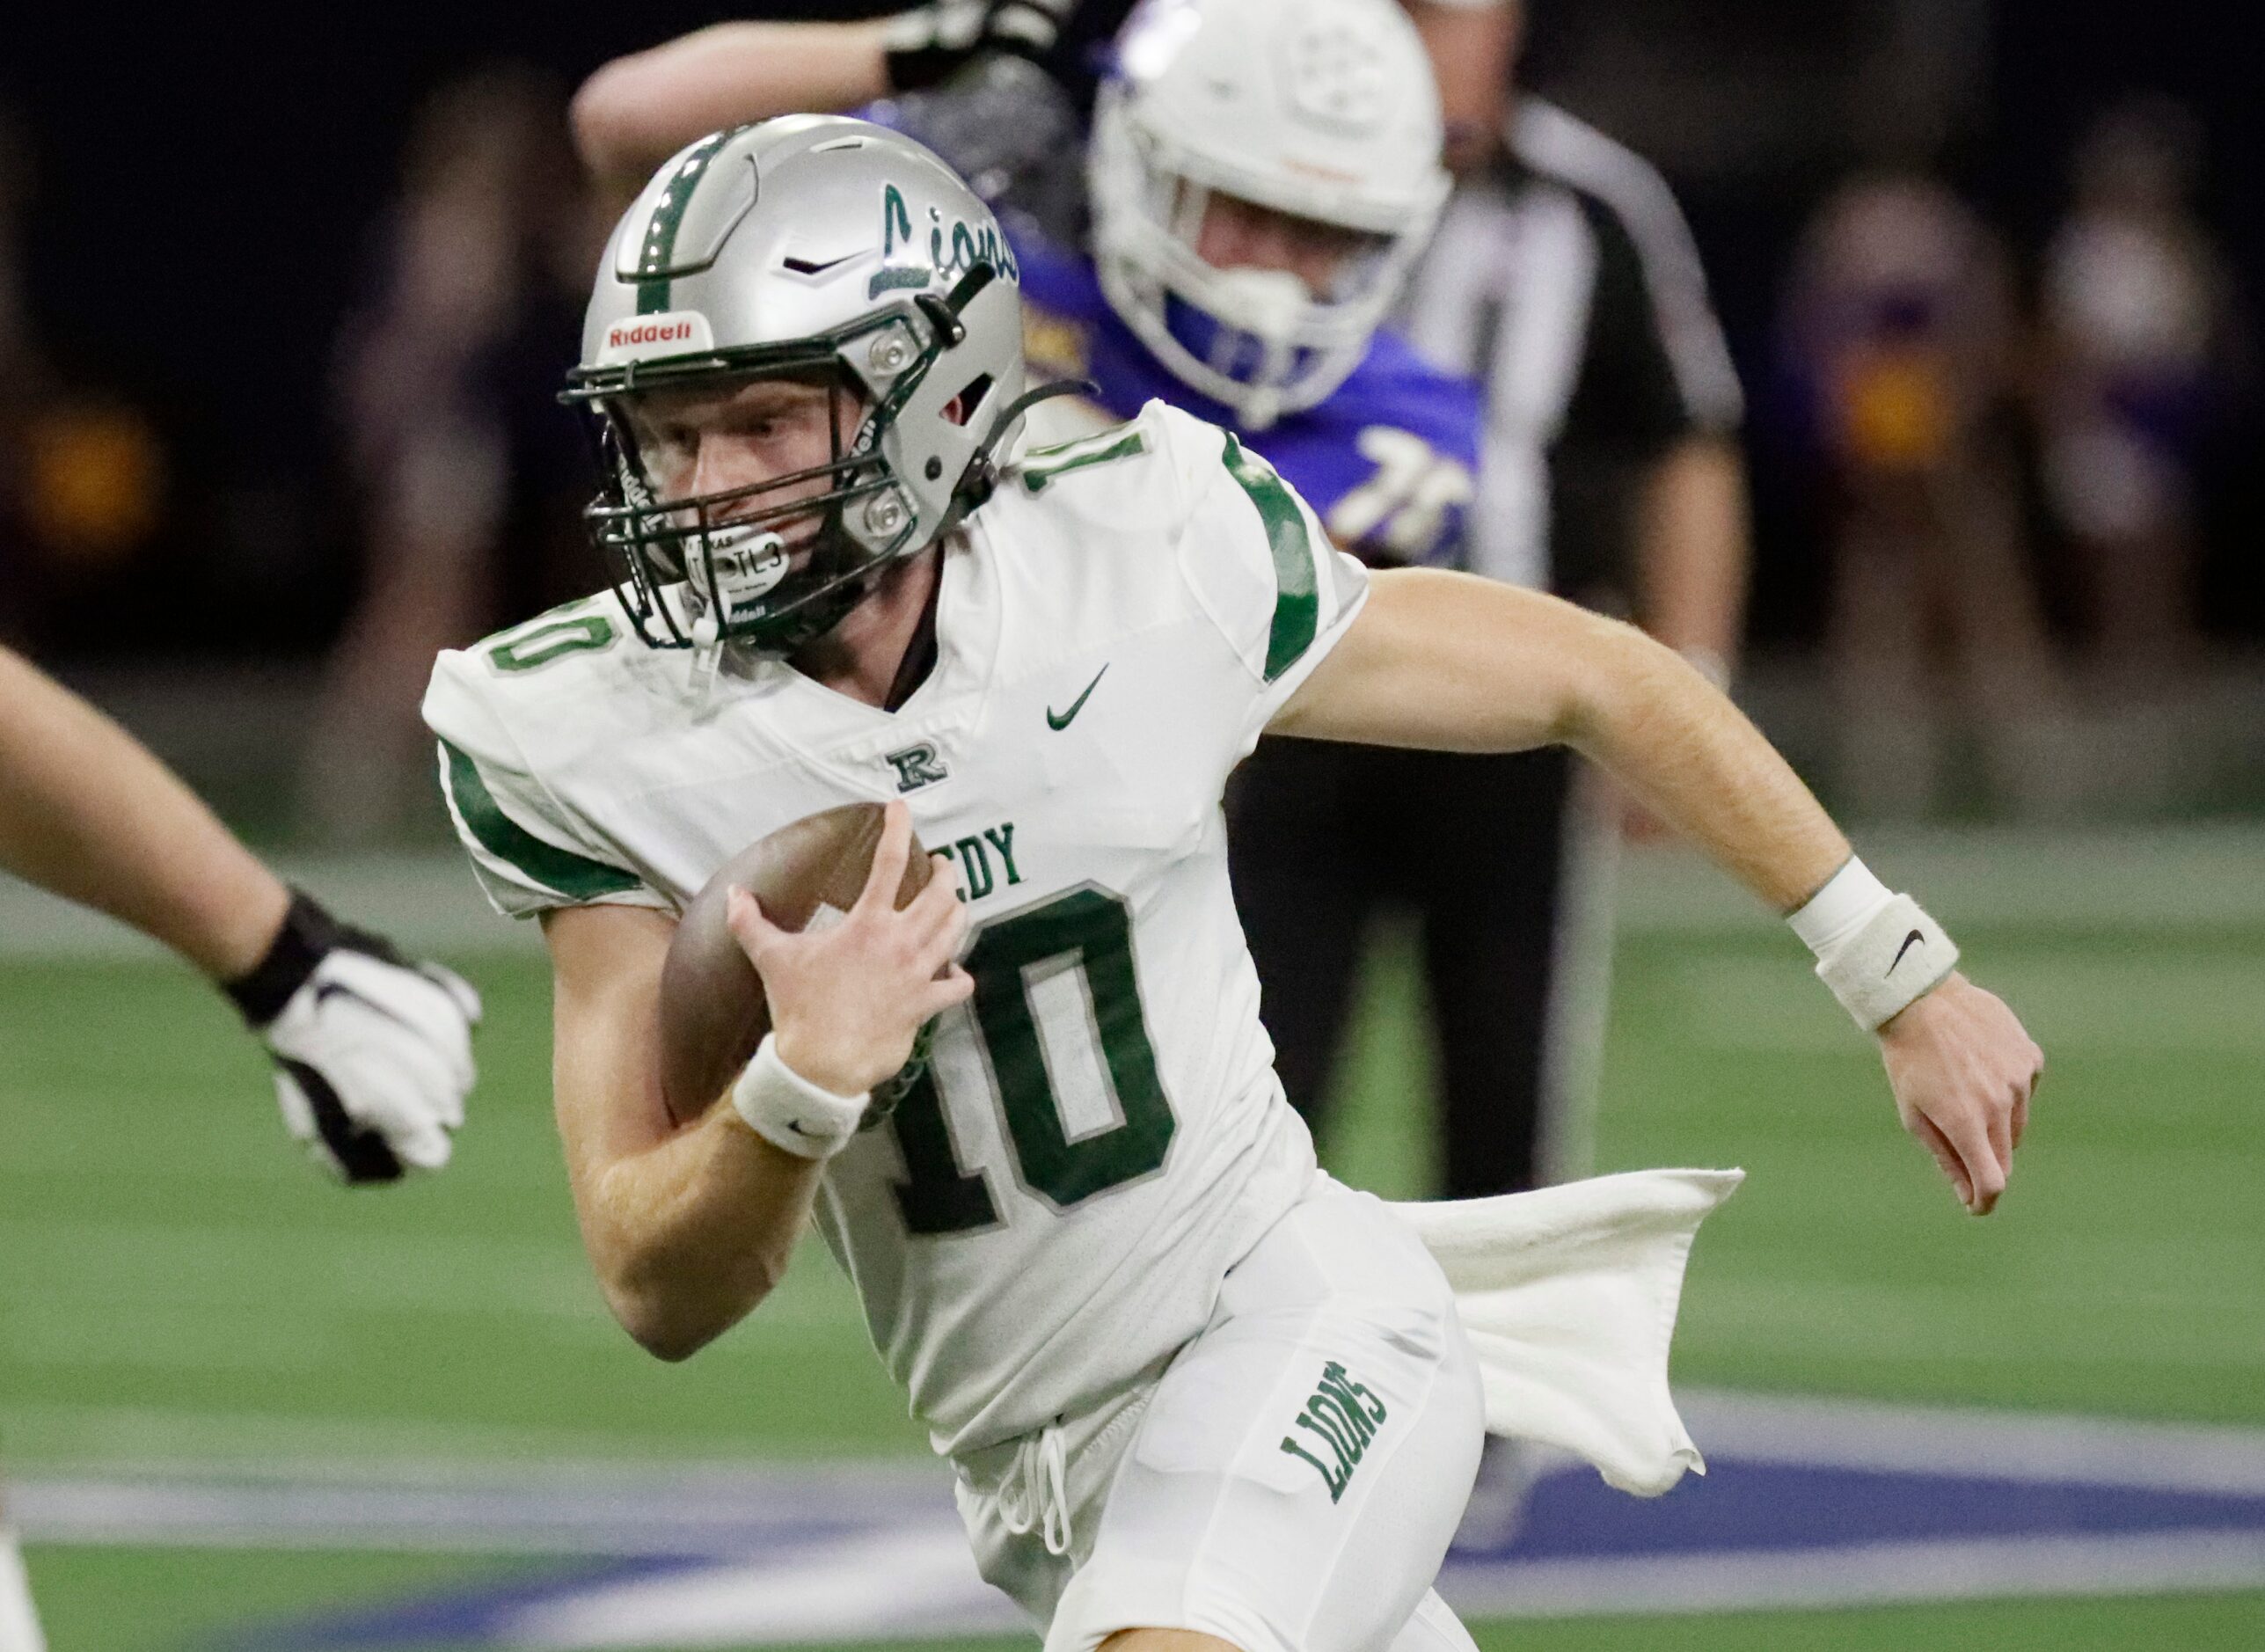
[[671, 333], [621, 335]]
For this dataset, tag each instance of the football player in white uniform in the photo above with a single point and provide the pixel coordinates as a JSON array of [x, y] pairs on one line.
[[1197, 1396], [373, 1054]]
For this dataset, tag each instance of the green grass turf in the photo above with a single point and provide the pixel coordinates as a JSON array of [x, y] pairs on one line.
[[175, 1285], [155, 1600]]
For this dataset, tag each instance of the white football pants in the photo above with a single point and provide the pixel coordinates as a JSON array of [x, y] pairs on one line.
[[20, 1625], [1289, 1483]]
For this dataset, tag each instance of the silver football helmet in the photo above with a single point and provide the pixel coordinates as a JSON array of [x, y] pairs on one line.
[[811, 247]]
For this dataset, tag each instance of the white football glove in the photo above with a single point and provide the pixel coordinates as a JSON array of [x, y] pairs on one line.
[[373, 1054]]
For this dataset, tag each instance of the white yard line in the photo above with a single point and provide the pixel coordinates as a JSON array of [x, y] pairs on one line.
[[2151, 879], [2038, 1447], [1865, 1574], [436, 1494]]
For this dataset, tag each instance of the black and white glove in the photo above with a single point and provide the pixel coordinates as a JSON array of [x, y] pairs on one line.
[[1065, 38], [373, 1053]]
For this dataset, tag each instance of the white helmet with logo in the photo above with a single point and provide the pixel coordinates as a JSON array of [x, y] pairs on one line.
[[812, 245], [1323, 109]]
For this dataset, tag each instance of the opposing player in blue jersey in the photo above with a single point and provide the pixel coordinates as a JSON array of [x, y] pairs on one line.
[[1261, 175]]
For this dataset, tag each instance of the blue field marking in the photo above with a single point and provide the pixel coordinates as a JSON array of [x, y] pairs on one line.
[[1750, 1535], [1807, 1502]]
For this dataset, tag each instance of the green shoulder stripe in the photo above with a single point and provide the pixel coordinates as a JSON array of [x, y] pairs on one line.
[[574, 876], [1040, 466], [1296, 592]]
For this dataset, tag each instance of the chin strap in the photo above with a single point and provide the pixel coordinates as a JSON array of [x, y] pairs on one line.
[[982, 476]]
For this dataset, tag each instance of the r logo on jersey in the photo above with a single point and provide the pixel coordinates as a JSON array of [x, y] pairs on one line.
[[917, 766]]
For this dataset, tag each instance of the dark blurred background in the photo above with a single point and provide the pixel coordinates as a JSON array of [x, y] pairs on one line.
[[204, 219]]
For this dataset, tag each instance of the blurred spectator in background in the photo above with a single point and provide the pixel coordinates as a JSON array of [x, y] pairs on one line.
[[2136, 317], [84, 474], [1900, 320], [466, 475], [21, 370]]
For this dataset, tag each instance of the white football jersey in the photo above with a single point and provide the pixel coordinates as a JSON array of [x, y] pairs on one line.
[[1101, 1135]]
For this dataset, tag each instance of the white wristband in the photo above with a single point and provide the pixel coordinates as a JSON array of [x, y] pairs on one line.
[[790, 1112], [1849, 900], [1878, 950]]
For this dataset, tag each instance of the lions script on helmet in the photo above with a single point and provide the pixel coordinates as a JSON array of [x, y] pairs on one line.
[[1101, 1133]]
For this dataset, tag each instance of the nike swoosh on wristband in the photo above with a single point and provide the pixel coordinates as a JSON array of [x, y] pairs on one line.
[[1059, 720], [1900, 951]]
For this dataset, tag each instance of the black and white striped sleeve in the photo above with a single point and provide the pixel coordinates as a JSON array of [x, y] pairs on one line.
[[1657, 367]]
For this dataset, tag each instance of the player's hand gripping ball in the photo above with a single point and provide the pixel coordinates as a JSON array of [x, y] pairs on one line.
[[713, 1011]]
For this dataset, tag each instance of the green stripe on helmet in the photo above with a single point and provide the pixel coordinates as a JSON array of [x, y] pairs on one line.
[[1298, 595], [656, 253], [577, 877]]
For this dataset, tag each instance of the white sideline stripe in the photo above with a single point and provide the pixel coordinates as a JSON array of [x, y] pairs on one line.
[[562, 1510], [2151, 880], [1865, 1574], [426, 900], [934, 1591], [596, 1507], [58, 1438], [2042, 1449]]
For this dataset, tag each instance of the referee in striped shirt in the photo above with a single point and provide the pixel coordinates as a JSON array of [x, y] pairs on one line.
[[1565, 279]]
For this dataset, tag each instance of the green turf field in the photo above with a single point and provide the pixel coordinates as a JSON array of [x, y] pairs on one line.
[[175, 1288]]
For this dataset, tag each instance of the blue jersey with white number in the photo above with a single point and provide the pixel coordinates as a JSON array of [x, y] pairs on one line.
[[1385, 460]]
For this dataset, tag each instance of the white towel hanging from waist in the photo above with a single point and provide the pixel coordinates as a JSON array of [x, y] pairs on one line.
[[1569, 1295]]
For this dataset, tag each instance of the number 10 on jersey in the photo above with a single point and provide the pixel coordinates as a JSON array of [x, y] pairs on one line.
[[1085, 935]]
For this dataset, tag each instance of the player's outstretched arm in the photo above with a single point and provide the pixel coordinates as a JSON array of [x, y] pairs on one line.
[[373, 1054], [1450, 662], [637, 111], [690, 1227], [88, 813]]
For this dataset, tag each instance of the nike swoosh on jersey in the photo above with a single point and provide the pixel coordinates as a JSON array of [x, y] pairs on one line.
[[1059, 720], [1900, 951]]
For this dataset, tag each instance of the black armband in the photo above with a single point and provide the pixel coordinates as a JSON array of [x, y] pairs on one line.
[[309, 935]]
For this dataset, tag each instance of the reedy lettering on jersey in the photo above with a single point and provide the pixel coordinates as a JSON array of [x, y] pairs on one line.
[[976, 867], [1001, 837], [975, 853], [1343, 1415]]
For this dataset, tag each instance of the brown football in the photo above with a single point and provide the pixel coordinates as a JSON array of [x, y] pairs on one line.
[[713, 1015]]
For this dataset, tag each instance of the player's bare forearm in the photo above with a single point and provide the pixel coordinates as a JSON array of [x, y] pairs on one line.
[[688, 1228], [87, 812], [1692, 554], [1454, 663], [1451, 663], [637, 111]]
